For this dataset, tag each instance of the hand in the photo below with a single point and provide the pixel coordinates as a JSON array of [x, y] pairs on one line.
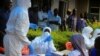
[[31, 50]]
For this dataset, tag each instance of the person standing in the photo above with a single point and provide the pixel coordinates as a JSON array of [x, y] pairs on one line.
[[67, 17], [43, 17], [73, 20], [81, 23], [17, 28], [55, 21]]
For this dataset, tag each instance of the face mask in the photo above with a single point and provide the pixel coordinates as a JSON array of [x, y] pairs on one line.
[[46, 33], [46, 36]]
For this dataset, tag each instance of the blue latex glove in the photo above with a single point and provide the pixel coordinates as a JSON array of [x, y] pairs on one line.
[[48, 39], [31, 50], [48, 53]]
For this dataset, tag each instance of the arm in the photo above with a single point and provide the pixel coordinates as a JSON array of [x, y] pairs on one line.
[[51, 46], [89, 43]]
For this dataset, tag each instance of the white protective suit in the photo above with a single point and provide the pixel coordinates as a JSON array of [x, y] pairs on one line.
[[86, 33], [42, 47], [96, 33], [17, 28]]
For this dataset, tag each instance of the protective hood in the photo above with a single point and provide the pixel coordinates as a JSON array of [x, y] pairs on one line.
[[46, 35], [47, 28], [96, 33], [21, 3], [87, 31]]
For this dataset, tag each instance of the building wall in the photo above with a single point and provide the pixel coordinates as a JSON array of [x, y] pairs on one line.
[[72, 5], [55, 4], [82, 6]]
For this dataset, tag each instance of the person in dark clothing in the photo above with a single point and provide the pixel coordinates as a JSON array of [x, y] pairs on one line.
[[94, 19], [4, 16], [33, 17], [81, 23], [73, 20], [68, 19], [96, 50], [65, 21], [33, 14]]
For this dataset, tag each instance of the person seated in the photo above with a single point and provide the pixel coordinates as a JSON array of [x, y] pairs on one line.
[[78, 44], [42, 44], [55, 21]]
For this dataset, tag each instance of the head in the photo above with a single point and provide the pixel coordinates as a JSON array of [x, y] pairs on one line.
[[74, 12], [7, 4], [47, 29], [46, 32], [94, 17], [56, 12], [77, 41], [85, 15], [22, 3], [87, 31], [68, 12], [45, 9], [81, 15], [97, 43]]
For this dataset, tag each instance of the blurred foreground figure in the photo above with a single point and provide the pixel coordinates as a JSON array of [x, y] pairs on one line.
[[17, 28], [96, 50], [87, 34], [78, 44]]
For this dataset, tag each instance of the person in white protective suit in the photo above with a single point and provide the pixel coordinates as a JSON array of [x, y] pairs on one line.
[[86, 33], [17, 28], [43, 44], [96, 33]]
